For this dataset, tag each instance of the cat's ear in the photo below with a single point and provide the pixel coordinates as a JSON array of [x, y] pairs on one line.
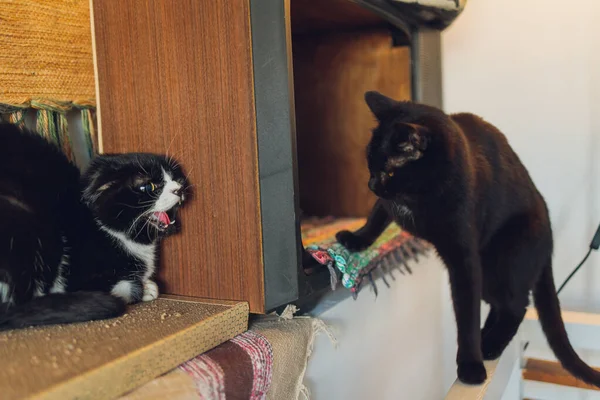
[[414, 134], [95, 181], [378, 103], [93, 189]]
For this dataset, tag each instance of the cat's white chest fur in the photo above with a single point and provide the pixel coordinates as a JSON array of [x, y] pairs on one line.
[[146, 254], [400, 210]]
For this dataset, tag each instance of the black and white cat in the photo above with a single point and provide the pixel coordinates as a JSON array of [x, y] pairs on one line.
[[78, 248]]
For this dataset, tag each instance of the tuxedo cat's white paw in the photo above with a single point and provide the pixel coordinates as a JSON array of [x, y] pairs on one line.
[[150, 291]]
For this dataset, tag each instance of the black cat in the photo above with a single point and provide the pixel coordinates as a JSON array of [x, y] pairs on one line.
[[455, 181], [79, 248]]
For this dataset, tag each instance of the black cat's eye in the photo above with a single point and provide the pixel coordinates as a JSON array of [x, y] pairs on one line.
[[390, 173], [148, 188]]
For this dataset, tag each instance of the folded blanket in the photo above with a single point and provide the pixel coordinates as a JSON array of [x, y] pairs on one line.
[[266, 362]]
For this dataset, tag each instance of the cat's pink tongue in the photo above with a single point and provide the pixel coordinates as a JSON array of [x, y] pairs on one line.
[[162, 217]]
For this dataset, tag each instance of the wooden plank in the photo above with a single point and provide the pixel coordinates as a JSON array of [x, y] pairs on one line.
[[546, 391], [176, 77], [552, 372], [461, 391], [104, 359], [583, 329], [570, 317], [332, 72]]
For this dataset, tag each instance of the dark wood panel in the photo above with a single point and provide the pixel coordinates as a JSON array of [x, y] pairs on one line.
[[176, 77], [313, 16], [331, 74]]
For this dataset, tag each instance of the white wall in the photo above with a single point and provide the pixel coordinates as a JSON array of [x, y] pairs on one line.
[[532, 68], [390, 347]]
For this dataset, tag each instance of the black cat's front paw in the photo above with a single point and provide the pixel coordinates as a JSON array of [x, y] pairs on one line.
[[351, 241], [491, 349], [471, 373]]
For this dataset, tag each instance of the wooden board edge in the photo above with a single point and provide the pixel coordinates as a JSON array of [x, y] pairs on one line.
[[131, 370], [552, 372], [499, 373]]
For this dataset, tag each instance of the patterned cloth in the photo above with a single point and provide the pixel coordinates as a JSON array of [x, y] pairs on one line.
[[266, 362], [393, 249], [238, 369]]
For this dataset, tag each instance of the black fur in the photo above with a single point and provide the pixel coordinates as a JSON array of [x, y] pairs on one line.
[[54, 223], [59, 308], [455, 181]]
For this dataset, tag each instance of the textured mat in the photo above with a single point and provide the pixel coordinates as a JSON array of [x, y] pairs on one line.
[[268, 362], [392, 250], [104, 359]]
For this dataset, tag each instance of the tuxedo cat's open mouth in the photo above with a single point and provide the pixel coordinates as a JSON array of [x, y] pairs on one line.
[[161, 220]]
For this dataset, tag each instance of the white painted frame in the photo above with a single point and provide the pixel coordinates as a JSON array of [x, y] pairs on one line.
[[505, 375], [584, 333]]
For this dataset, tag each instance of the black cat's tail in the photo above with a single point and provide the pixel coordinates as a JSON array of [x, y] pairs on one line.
[[548, 308], [61, 308]]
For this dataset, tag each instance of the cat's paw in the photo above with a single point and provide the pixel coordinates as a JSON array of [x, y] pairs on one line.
[[150, 291], [491, 350], [471, 373], [351, 241]]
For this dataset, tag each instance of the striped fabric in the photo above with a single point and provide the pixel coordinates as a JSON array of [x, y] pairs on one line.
[[238, 369]]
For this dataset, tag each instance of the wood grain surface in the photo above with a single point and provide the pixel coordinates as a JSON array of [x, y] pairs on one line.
[[175, 77], [333, 124], [552, 372], [318, 16]]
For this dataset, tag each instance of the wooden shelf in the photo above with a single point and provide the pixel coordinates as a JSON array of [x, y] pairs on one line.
[[552, 372], [105, 359], [314, 17]]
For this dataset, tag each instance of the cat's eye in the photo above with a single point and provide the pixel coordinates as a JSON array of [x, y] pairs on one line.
[[147, 188], [390, 173]]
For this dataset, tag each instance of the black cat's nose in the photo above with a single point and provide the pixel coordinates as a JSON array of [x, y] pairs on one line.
[[373, 184], [178, 191], [377, 187]]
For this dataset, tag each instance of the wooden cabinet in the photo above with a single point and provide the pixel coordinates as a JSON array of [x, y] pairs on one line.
[[213, 84]]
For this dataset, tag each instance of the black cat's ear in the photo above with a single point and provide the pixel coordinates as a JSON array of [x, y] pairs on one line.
[[378, 103], [413, 134], [95, 180]]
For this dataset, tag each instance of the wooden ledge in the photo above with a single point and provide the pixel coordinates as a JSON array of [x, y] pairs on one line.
[[105, 359], [552, 372]]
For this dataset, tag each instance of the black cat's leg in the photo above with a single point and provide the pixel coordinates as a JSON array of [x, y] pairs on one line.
[[377, 222], [490, 321], [502, 332], [21, 273], [509, 262], [465, 282]]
